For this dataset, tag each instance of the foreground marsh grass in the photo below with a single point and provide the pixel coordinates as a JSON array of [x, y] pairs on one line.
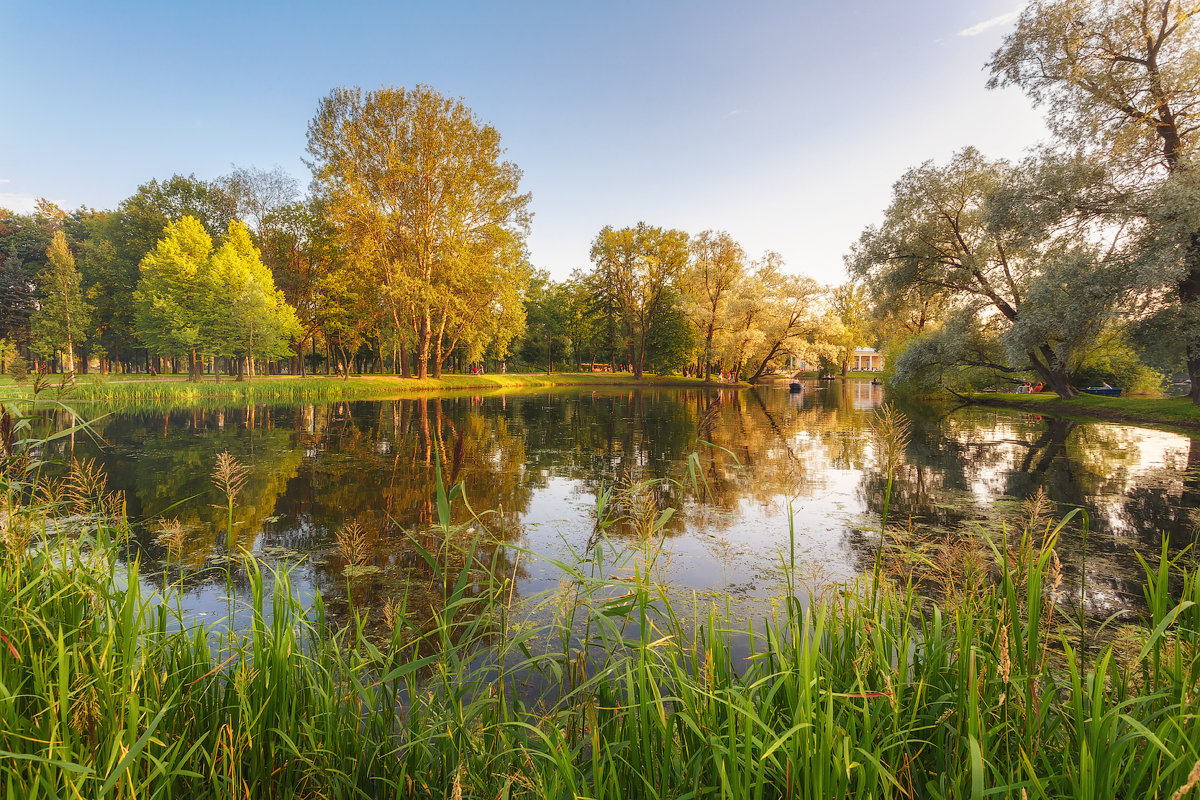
[[106, 690]]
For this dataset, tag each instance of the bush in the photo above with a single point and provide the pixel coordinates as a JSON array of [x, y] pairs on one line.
[[1115, 362]]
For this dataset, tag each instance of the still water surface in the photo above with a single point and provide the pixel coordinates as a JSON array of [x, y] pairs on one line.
[[538, 461]]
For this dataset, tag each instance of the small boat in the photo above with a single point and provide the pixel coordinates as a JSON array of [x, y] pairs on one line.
[[826, 378], [876, 382], [795, 387], [1104, 391]]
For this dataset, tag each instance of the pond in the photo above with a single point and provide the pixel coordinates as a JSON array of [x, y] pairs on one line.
[[780, 471]]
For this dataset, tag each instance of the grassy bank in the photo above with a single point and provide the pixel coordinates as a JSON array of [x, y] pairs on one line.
[[1178, 412], [864, 691], [130, 389]]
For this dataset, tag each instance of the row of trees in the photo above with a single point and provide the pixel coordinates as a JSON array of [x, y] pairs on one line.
[[411, 249], [1088, 249], [661, 300], [409, 255]]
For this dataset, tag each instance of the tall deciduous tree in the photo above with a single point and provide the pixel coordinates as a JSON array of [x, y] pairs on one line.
[[250, 317], [63, 317], [259, 195], [849, 303], [417, 187], [116, 243], [786, 317], [174, 301], [718, 263], [1123, 77], [23, 243], [643, 265]]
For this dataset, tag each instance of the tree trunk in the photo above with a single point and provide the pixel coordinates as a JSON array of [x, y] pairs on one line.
[[1052, 373], [763, 366], [641, 356], [424, 330], [438, 339], [1189, 296], [708, 337], [193, 366]]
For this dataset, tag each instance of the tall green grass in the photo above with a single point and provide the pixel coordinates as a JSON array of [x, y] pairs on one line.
[[108, 690]]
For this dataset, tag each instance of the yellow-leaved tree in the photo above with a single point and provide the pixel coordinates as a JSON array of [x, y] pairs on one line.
[[426, 208]]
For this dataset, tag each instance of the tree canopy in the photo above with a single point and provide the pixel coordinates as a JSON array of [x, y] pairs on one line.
[[417, 188]]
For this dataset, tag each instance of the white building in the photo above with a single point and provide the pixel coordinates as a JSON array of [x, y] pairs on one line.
[[866, 359]]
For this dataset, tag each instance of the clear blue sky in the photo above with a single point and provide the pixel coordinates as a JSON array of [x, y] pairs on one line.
[[784, 123]]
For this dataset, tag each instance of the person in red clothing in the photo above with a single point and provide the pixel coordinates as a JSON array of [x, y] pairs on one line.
[[1037, 387]]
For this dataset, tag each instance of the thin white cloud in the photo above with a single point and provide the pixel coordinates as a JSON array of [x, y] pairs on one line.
[[20, 203], [5, 180], [988, 24]]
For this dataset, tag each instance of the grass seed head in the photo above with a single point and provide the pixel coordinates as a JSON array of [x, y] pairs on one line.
[[229, 475], [352, 543]]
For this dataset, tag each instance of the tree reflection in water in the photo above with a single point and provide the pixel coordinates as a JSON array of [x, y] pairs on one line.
[[535, 462], [967, 472]]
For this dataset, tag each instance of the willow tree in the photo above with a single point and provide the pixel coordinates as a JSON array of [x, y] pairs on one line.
[[960, 228], [423, 201], [772, 314], [63, 317], [1121, 79]]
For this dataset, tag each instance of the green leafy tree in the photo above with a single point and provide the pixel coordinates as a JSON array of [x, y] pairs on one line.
[[417, 189], [63, 316], [959, 227], [548, 310], [250, 318], [641, 266], [1121, 78], [175, 299], [112, 245], [850, 305], [672, 342], [717, 265], [24, 240]]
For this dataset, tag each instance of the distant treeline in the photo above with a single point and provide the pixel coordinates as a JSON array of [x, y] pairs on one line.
[[409, 256]]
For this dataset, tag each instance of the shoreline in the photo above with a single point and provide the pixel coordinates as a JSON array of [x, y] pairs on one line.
[[1176, 412], [179, 389]]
